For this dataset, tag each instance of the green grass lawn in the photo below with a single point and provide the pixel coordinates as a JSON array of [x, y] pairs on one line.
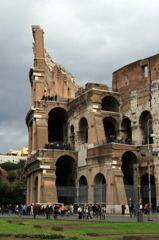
[[74, 234]]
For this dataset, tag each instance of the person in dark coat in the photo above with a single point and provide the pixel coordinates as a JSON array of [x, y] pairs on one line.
[[47, 211], [123, 207]]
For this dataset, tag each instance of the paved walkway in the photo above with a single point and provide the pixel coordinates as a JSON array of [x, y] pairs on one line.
[[108, 218]]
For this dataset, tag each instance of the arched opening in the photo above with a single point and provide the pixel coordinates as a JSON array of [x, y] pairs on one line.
[[36, 189], [146, 127], [126, 130], [72, 136], [83, 190], [66, 175], [109, 103], [130, 172], [57, 125], [110, 126], [0, 175], [83, 131], [145, 190], [99, 188]]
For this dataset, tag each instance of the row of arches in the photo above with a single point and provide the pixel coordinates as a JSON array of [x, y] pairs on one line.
[[114, 128], [69, 190], [58, 127]]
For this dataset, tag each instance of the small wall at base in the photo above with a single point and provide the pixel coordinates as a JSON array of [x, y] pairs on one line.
[[116, 209]]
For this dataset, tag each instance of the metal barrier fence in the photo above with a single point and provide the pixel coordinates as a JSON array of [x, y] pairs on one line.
[[83, 194], [99, 193], [63, 191], [132, 193], [145, 190]]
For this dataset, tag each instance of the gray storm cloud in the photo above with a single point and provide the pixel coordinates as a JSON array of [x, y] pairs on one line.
[[91, 39]]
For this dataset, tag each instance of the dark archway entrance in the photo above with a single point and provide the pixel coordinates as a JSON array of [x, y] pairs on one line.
[[145, 190], [57, 125], [146, 127], [72, 136], [130, 171], [83, 131], [109, 103], [66, 175], [36, 189], [99, 188], [126, 130], [110, 126], [83, 190]]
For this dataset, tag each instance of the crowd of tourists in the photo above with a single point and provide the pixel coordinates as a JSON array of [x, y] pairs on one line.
[[53, 98], [49, 98], [82, 211], [122, 140], [58, 145], [133, 209]]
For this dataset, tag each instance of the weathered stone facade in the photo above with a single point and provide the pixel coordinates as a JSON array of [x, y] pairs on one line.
[[85, 143]]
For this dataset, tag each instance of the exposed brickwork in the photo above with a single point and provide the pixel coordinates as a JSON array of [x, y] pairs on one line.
[[99, 133]]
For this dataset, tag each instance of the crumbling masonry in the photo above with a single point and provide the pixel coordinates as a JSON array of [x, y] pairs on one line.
[[85, 144]]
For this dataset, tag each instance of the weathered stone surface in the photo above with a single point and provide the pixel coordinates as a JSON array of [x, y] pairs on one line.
[[105, 131]]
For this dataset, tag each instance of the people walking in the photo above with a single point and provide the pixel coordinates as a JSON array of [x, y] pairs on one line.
[[131, 207], [79, 212], [2, 209], [123, 207], [34, 211], [10, 210], [134, 210], [47, 211]]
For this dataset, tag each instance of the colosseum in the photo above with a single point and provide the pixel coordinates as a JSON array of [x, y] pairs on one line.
[[92, 144]]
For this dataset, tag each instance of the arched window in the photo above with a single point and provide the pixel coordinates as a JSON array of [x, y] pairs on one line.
[[66, 175], [109, 103], [83, 190], [126, 130], [72, 136], [99, 188], [145, 122], [83, 130], [36, 189], [145, 189], [129, 169], [57, 125], [110, 126]]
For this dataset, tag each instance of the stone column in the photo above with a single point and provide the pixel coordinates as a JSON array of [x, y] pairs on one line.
[[32, 188], [156, 175], [33, 135], [91, 194], [49, 187], [39, 186], [99, 129], [28, 190], [120, 190], [137, 135], [42, 133], [30, 138]]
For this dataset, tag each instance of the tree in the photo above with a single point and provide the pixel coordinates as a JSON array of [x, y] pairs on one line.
[[11, 176], [8, 166], [19, 173], [21, 165], [12, 193]]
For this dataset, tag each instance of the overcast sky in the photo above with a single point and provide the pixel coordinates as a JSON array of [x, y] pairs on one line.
[[90, 38]]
